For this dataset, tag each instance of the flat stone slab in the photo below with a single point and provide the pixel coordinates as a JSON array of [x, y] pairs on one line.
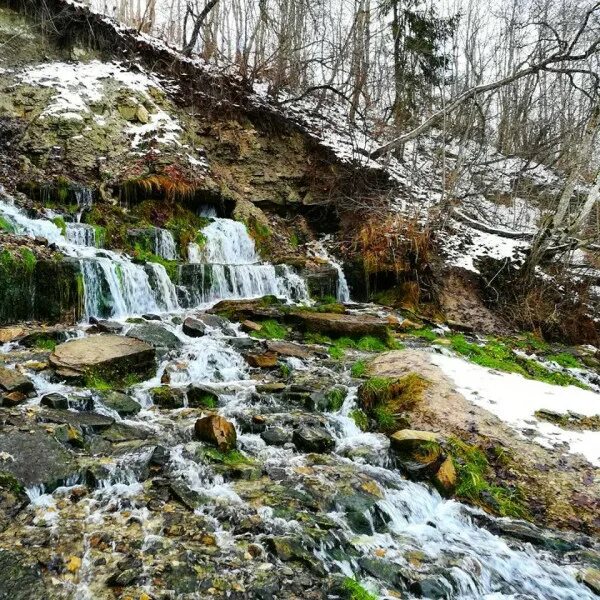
[[341, 324], [111, 356], [91, 420], [36, 458]]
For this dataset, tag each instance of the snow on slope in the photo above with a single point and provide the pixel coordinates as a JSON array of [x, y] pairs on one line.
[[515, 399]]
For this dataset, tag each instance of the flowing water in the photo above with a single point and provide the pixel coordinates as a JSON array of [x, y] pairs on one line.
[[350, 513], [318, 250], [230, 266]]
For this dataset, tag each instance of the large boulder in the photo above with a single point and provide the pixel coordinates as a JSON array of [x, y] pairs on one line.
[[339, 325], [313, 439], [20, 578], [12, 380], [156, 335], [217, 431], [289, 349], [37, 458], [125, 405], [111, 357]]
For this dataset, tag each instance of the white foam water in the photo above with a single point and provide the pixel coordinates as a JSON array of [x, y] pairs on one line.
[[342, 289]]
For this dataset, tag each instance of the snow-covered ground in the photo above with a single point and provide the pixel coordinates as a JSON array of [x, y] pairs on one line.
[[515, 399]]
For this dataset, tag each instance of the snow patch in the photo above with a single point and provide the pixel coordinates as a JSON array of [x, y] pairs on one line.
[[515, 399]]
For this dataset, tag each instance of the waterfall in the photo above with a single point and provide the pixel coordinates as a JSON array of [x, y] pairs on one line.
[[85, 201], [113, 285], [230, 267], [80, 234], [164, 244], [342, 290], [116, 287]]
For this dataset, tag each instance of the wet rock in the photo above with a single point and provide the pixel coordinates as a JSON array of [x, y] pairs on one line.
[[266, 360], [110, 356], [214, 321], [240, 310], [289, 349], [12, 398], [85, 420], [321, 280], [184, 494], [432, 587], [168, 397], [445, 477], [151, 317], [217, 431], [591, 578], [128, 571], [13, 381], [123, 404], [160, 456], [271, 388], [55, 400], [276, 436], [341, 324], [13, 499], [37, 458], [313, 439], [121, 432], [243, 343], [68, 434], [20, 579], [409, 440], [105, 326], [194, 327], [249, 326], [199, 396], [34, 339], [155, 335], [383, 570]]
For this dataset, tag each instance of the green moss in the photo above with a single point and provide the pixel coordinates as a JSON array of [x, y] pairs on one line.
[[6, 225], [496, 354], [231, 458], [473, 474], [60, 223], [294, 240], [97, 382], [566, 360], [45, 343], [285, 370], [335, 398], [171, 266], [385, 399], [369, 343], [426, 334], [317, 338], [9, 482], [336, 353], [131, 379], [354, 591], [270, 330], [359, 368], [360, 418], [29, 259]]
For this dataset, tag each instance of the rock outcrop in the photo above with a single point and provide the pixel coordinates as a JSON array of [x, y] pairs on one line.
[[111, 357]]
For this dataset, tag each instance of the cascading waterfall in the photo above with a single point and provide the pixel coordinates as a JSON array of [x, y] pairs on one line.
[[80, 234], [342, 290], [230, 266], [85, 200], [113, 285], [164, 244]]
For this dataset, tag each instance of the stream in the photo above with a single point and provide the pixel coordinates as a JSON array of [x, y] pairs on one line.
[[280, 521]]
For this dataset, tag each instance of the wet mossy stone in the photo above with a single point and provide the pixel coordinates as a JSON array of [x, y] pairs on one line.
[[194, 327], [276, 436], [20, 579], [123, 404], [313, 439], [38, 458], [43, 290], [156, 335], [87, 420], [167, 397], [199, 396]]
